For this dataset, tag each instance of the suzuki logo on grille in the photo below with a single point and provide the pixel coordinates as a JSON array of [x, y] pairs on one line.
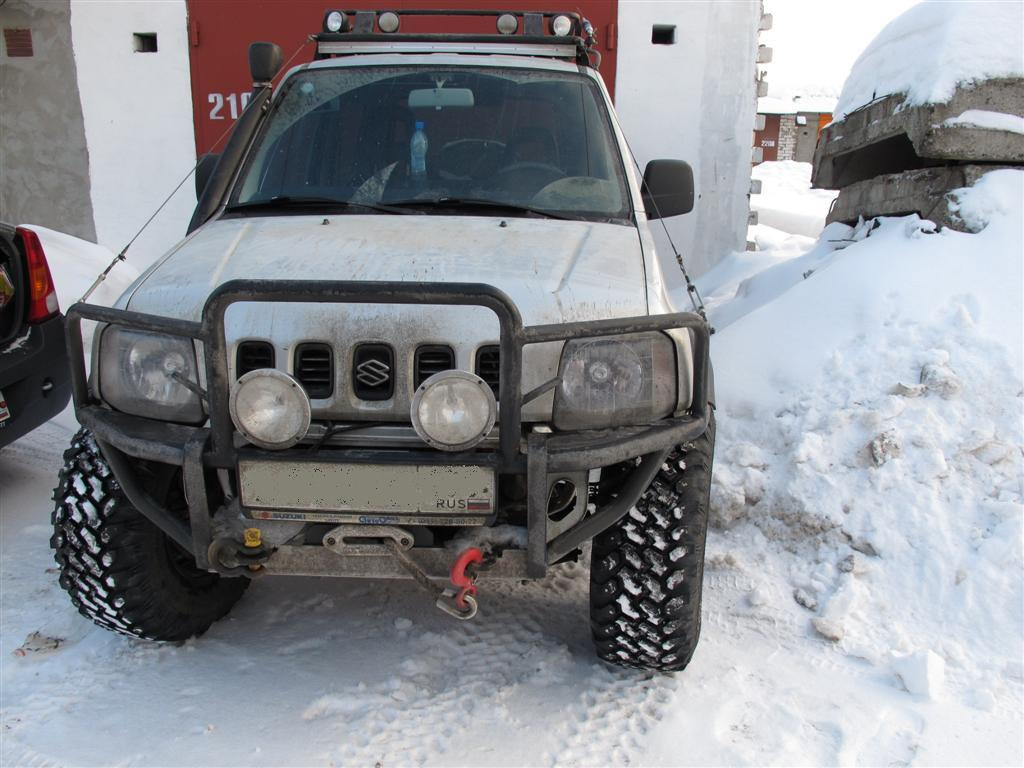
[[373, 372]]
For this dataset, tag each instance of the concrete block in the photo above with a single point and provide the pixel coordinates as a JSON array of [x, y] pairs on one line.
[[757, 156], [764, 54], [921, 191], [759, 122], [755, 186], [751, 218], [762, 88], [766, 22], [883, 137]]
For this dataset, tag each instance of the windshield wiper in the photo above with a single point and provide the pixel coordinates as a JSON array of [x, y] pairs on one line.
[[456, 203], [282, 202]]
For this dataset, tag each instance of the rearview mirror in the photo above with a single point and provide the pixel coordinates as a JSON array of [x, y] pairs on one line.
[[204, 170], [668, 188], [265, 61], [437, 98]]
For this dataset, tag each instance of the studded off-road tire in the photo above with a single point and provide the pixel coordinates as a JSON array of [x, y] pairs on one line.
[[122, 571], [646, 571]]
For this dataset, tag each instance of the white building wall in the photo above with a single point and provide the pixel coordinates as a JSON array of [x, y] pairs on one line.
[[695, 101], [137, 109]]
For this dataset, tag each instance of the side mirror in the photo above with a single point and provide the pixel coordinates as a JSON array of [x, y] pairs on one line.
[[668, 188], [204, 170], [265, 61]]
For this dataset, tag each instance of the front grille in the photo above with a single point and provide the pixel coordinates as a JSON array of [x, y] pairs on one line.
[[253, 355], [314, 368], [431, 359], [373, 372], [488, 366]]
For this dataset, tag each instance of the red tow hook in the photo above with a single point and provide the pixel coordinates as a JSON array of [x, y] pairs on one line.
[[464, 574]]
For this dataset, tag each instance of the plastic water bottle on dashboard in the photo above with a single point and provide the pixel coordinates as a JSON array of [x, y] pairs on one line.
[[418, 153]]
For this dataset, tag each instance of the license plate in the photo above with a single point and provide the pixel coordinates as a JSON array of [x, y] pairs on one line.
[[5, 412], [378, 494]]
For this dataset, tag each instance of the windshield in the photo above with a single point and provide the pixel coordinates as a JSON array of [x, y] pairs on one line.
[[437, 138]]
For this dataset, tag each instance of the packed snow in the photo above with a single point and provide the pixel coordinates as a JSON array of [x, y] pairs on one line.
[[933, 48], [863, 592]]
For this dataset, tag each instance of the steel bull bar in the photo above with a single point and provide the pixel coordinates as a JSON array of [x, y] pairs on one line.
[[121, 436]]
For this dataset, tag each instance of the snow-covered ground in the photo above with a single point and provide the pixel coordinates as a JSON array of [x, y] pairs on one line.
[[863, 598]]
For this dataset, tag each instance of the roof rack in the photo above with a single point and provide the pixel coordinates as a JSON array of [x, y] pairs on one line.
[[524, 33]]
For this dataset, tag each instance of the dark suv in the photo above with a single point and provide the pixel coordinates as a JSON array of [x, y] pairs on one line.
[[35, 382]]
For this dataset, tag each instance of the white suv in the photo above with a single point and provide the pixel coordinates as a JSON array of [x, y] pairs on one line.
[[417, 329]]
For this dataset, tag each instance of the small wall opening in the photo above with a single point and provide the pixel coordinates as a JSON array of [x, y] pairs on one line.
[[144, 42], [663, 34], [18, 42]]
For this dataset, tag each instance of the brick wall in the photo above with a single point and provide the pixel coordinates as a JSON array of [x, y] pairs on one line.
[[787, 137]]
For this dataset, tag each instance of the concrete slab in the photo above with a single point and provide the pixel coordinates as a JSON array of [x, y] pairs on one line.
[[920, 191], [883, 137]]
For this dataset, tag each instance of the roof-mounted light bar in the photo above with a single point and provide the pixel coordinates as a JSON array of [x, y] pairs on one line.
[[562, 35]]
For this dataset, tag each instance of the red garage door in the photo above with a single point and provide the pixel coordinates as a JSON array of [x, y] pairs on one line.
[[768, 139], [220, 33]]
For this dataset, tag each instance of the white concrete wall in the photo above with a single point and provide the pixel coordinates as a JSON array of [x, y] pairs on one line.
[[137, 109], [694, 100]]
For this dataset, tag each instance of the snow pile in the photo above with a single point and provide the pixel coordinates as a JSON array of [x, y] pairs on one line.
[[870, 445], [787, 203], [934, 47], [790, 216]]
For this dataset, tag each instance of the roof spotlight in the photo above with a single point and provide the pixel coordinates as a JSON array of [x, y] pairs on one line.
[[507, 24], [561, 26], [388, 22], [335, 21]]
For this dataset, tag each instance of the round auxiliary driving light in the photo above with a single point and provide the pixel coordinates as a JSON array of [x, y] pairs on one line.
[[270, 408], [561, 26], [388, 22], [507, 24], [335, 21], [453, 410]]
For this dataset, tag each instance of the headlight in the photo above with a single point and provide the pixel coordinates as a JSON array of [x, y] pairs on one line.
[[453, 410], [270, 408], [141, 373], [615, 381]]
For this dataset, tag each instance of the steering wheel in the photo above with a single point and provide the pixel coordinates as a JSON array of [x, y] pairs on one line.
[[529, 175], [469, 158]]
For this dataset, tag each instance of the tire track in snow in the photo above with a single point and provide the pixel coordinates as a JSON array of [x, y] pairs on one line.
[[471, 675], [618, 708]]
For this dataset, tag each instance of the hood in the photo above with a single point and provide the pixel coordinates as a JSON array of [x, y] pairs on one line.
[[555, 271]]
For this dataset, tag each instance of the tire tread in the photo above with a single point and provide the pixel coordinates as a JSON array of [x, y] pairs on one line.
[[647, 570], [113, 562]]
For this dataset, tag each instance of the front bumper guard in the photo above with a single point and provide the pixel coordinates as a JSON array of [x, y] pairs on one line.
[[198, 448]]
